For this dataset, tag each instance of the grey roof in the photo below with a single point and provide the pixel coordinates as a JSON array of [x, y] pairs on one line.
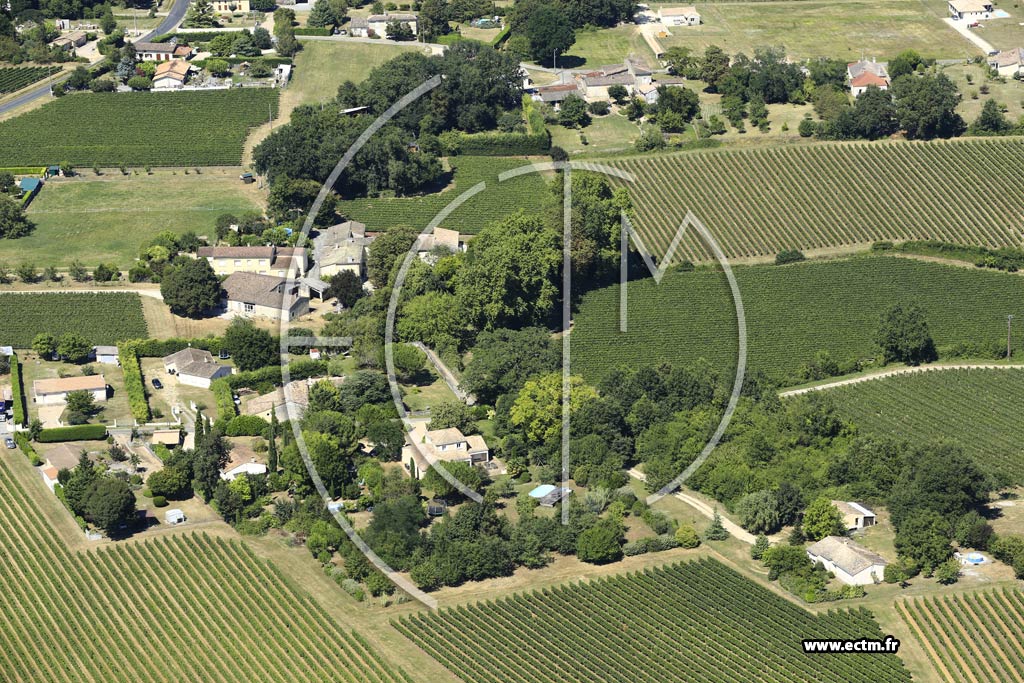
[[200, 369], [346, 253], [557, 93], [142, 46], [188, 355], [105, 350], [877, 68], [261, 290], [845, 554]]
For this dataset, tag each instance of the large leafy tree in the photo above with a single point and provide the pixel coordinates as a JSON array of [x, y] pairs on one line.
[[73, 347], [387, 249], [504, 359], [549, 34], [926, 106], [537, 411], [13, 222], [822, 519], [249, 346], [433, 19], [190, 287], [200, 14], [903, 336], [110, 503], [941, 478], [924, 537], [601, 543]]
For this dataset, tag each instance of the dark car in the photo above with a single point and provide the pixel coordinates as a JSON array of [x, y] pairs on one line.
[[157, 384], [9, 442]]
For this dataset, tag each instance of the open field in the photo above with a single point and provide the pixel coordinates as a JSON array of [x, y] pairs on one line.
[[137, 128], [757, 202], [792, 312], [605, 135], [599, 47], [976, 408], [105, 318], [1010, 93], [183, 607], [322, 66], [648, 626], [110, 218], [499, 199], [970, 637], [1003, 34], [843, 30]]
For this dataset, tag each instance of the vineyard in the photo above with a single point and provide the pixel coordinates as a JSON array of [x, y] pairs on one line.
[[757, 202], [792, 312], [977, 408], [972, 636], [138, 128], [498, 200], [14, 78], [102, 318], [693, 621], [185, 608]]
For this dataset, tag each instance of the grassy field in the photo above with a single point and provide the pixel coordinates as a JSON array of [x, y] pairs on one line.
[[1004, 34], [759, 201], [649, 626], [605, 135], [187, 606], [137, 128], [498, 199], [792, 312], [599, 47], [969, 637], [110, 218], [1010, 93], [844, 30], [102, 318], [976, 408]]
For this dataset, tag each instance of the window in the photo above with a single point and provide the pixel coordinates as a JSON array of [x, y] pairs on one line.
[[238, 262], [249, 308]]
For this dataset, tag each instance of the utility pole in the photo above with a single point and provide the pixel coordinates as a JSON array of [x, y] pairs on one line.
[[1009, 322]]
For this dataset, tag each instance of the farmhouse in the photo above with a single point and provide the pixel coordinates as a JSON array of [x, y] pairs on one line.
[[107, 355], [629, 74], [1007, 62], [170, 75], [377, 24], [289, 401], [970, 10], [195, 367], [442, 239], [279, 261], [55, 391], [555, 94], [339, 248], [154, 52], [441, 445], [851, 563], [69, 41], [250, 295], [863, 74], [679, 16], [63, 457], [855, 515]]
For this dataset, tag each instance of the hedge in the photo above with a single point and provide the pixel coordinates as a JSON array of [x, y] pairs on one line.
[[74, 433], [265, 379], [225, 400], [134, 382], [307, 31], [158, 348], [269, 61], [161, 451], [192, 37], [247, 425], [18, 391], [27, 448], [24, 170]]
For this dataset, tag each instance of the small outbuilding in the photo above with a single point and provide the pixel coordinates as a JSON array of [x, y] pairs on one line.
[[855, 515], [107, 355], [174, 516]]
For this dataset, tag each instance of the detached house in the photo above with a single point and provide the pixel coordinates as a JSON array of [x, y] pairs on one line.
[[424, 448], [970, 10], [377, 24], [679, 16], [629, 74], [852, 564], [1007, 63], [195, 367], [249, 295], [287, 262], [170, 75], [555, 94], [55, 391], [863, 74], [154, 52]]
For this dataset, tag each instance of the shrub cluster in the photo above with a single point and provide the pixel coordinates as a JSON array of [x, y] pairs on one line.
[[74, 433], [133, 382], [17, 391]]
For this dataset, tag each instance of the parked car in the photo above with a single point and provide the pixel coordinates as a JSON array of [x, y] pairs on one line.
[[157, 384], [9, 442]]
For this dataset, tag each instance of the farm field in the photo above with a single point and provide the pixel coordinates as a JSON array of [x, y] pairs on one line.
[[971, 636], [757, 202], [843, 30], [599, 47], [701, 618], [110, 218], [14, 78], [976, 408], [102, 318], [322, 66], [792, 312], [499, 199], [212, 611], [137, 129]]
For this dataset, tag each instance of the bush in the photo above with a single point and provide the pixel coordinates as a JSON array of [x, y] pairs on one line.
[[134, 383], [17, 391], [225, 400], [76, 433], [246, 425], [686, 536], [789, 256], [599, 108], [159, 501], [27, 449]]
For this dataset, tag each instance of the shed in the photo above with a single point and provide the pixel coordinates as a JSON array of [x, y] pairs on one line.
[[106, 355], [174, 516], [247, 178], [29, 188]]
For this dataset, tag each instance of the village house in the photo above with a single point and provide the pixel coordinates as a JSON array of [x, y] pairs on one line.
[[1007, 63], [55, 391], [339, 248], [250, 295], [289, 402], [60, 457], [864, 73], [154, 52], [70, 41], [970, 10], [106, 355], [287, 262], [851, 563], [170, 75], [230, 6], [441, 239], [425, 447], [195, 367], [377, 24], [242, 459], [679, 16], [855, 515], [629, 74], [555, 94]]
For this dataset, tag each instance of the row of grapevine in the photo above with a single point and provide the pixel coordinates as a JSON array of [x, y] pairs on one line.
[[792, 312], [977, 408], [14, 78], [757, 202], [196, 128], [101, 317], [188, 607], [694, 621], [971, 636], [526, 193]]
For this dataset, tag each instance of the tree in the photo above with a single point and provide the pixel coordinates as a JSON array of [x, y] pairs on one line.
[[110, 503], [13, 222], [948, 572], [27, 272], [218, 67], [398, 30], [686, 536], [433, 19], [759, 512], [713, 66], [924, 537], [761, 544], [346, 287], [190, 287], [618, 93], [222, 45], [200, 15], [651, 138], [601, 543], [408, 360], [44, 344], [140, 83], [679, 60], [322, 15], [261, 37], [81, 402], [537, 410], [7, 178], [573, 112], [903, 336], [831, 72], [905, 63], [250, 347], [504, 359], [245, 45], [468, 475], [990, 121], [169, 482], [388, 437], [73, 347], [452, 414], [940, 478], [682, 101], [717, 530], [926, 106], [272, 459], [387, 249], [549, 34], [822, 519]]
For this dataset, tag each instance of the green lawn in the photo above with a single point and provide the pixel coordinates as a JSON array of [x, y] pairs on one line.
[[1004, 34], [605, 135], [425, 396], [110, 217], [599, 47], [844, 30], [1010, 93]]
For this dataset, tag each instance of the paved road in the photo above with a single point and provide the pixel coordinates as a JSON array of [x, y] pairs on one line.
[[174, 17], [961, 28], [899, 371]]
